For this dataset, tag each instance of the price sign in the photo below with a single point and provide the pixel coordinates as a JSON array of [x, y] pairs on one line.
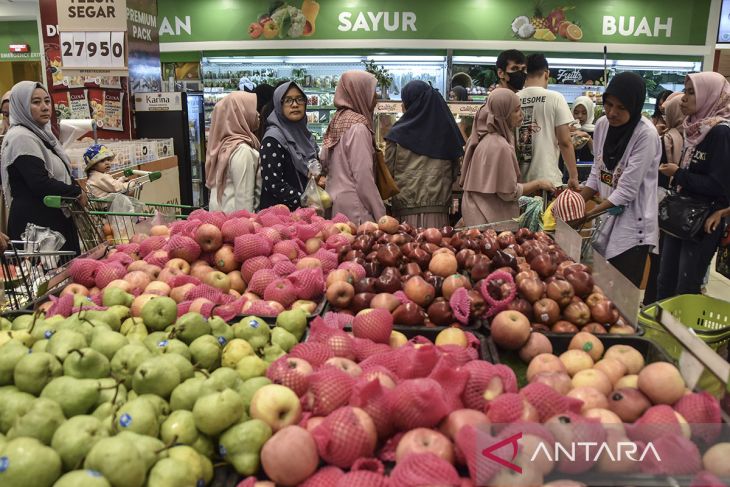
[[87, 50]]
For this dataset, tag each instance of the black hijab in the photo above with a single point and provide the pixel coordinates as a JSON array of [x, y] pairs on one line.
[[630, 89], [264, 94], [460, 92], [427, 127], [659, 100]]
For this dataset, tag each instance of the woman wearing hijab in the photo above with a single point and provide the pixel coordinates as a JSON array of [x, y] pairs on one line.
[[490, 172], [458, 93], [624, 174], [422, 152], [657, 117], [583, 111], [5, 112], [34, 165], [703, 174], [286, 148], [232, 162], [264, 96], [349, 149]]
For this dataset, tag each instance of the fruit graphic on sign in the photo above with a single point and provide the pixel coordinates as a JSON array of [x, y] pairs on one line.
[[548, 27], [310, 9]]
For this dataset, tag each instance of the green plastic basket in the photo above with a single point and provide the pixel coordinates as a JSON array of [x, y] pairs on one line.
[[702, 314]]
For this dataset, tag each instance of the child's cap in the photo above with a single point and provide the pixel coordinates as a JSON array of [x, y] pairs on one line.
[[95, 154]]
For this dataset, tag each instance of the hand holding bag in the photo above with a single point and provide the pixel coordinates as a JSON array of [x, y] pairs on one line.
[[682, 216], [383, 179]]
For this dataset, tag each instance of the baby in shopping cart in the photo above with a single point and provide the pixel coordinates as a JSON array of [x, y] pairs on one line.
[[99, 183]]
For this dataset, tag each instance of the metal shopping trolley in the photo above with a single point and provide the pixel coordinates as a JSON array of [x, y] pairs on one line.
[[29, 273], [133, 188]]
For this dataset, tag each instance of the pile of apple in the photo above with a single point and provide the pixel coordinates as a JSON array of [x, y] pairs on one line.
[[102, 398], [246, 263], [415, 273]]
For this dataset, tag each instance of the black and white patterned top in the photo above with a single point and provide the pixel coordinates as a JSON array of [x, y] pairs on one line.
[[281, 183]]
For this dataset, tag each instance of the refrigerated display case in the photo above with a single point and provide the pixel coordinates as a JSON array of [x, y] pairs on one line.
[[180, 116], [317, 75]]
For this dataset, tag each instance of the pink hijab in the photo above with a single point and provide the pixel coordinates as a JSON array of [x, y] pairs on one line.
[[232, 124], [492, 167], [713, 106], [354, 101]]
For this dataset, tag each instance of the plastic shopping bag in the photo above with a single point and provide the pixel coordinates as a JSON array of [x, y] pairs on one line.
[[313, 196]]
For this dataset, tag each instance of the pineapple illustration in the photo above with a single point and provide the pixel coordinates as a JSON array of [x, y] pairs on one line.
[[538, 20]]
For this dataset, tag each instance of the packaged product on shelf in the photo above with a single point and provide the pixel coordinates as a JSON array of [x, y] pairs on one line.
[[62, 105], [74, 81], [113, 110], [79, 104], [96, 103]]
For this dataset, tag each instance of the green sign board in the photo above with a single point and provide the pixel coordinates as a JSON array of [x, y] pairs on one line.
[[19, 32], [550, 21]]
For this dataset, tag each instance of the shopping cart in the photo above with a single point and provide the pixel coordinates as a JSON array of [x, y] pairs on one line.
[[133, 188], [98, 227], [28, 273]]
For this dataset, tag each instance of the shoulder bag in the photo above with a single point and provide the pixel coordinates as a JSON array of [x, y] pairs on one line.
[[383, 179], [682, 216]]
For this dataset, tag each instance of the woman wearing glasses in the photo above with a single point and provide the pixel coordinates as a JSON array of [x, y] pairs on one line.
[[286, 148]]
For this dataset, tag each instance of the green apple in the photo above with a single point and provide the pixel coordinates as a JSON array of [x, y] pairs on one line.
[[251, 366], [249, 388], [63, 341], [216, 412], [220, 329], [273, 352], [40, 422], [159, 313], [234, 351], [74, 438], [190, 326], [139, 416], [10, 353], [241, 445], [170, 472], [294, 321], [126, 360], [28, 462], [182, 365], [179, 427], [185, 395], [107, 342], [86, 363], [254, 330], [15, 403], [282, 338], [156, 375], [118, 461], [82, 478], [35, 370], [113, 296], [206, 352], [75, 396]]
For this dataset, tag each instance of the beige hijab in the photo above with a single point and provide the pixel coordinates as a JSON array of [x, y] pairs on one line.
[[492, 167], [233, 123], [673, 138], [354, 102]]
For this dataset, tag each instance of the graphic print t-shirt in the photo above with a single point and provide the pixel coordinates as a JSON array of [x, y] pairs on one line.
[[537, 145]]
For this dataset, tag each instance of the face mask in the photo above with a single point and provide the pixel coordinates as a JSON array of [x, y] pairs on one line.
[[517, 80]]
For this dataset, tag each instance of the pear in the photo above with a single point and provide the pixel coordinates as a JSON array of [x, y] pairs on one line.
[[86, 363], [249, 388], [294, 321], [179, 427], [107, 342], [118, 461], [185, 395], [35, 370], [172, 346], [43, 329], [204, 446], [113, 296], [82, 478], [206, 352], [192, 459], [216, 412], [21, 336], [63, 341], [111, 391], [219, 380], [254, 330], [40, 422], [170, 472], [182, 365], [241, 445], [162, 407], [234, 351], [155, 341], [79, 325], [190, 326], [3, 440], [150, 449], [5, 324], [15, 403], [139, 416], [104, 412], [75, 438], [10, 353], [28, 462], [220, 329], [156, 375], [23, 322], [75, 396], [251, 366], [272, 352], [134, 326], [126, 360], [56, 319], [121, 311], [39, 346], [108, 317], [282, 338]]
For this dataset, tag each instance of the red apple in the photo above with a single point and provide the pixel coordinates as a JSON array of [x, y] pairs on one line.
[[605, 312], [218, 280], [157, 287], [225, 259], [561, 292], [581, 281], [178, 293], [385, 301], [425, 440], [276, 456], [409, 314], [180, 264], [237, 282], [546, 311], [577, 313], [532, 289], [510, 330], [419, 291], [75, 288], [340, 294], [454, 282], [209, 237], [460, 418], [138, 279], [543, 265]]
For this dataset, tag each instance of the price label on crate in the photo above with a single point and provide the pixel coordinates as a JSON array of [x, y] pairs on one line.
[[88, 50]]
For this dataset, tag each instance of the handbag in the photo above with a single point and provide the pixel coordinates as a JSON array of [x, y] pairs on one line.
[[682, 216], [383, 179], [722, 263]]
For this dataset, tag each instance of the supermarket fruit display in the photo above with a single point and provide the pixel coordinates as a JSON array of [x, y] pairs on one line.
[[439, 277]]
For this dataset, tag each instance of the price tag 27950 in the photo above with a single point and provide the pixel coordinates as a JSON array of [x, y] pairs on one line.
[[92, 49]]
